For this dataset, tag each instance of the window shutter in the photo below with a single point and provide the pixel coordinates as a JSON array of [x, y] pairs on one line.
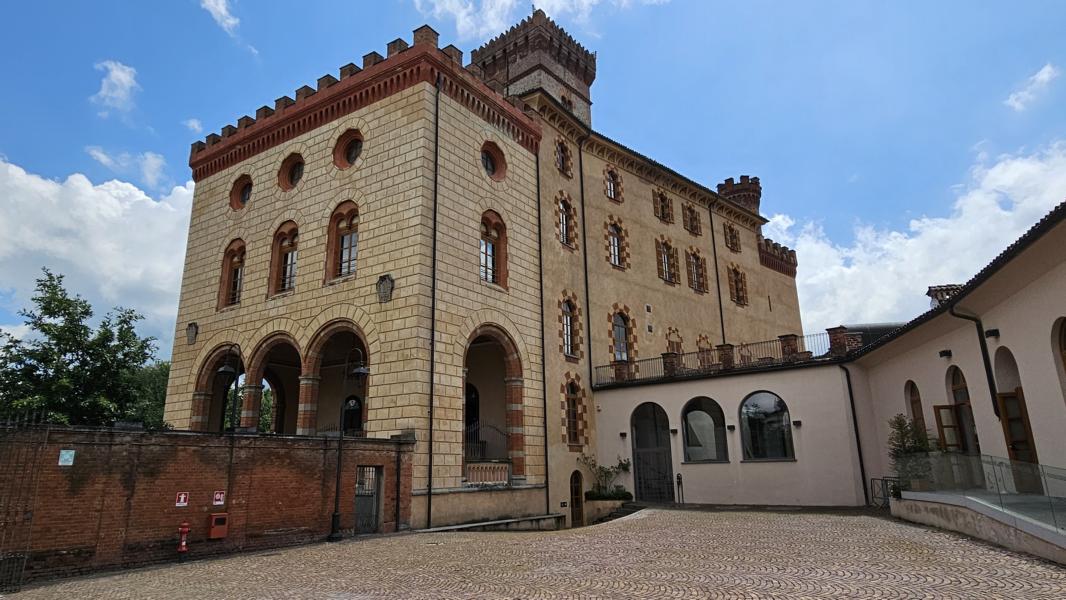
[[674, 267], [686, 218], [657, 204], [732, 285], [689, 258], [659, 259], [742, 288], [703, 274]]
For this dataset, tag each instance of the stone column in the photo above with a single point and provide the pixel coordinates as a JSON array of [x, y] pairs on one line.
[[253, 396], [516, 438], [838, 340], [671, 362], [199, 413], [789, 346], [725, 355], [307, 411]]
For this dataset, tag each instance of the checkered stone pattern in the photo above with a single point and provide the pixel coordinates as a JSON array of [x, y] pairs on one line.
[[651, 554]]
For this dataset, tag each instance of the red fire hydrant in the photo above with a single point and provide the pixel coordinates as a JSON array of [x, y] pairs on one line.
[[183, 540]]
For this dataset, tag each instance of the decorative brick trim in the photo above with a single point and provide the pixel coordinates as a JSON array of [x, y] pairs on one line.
[[357, 89], [696, 267], [564, 158], [345, 219], [674, 342], [564, 202], [664, 247], [491, 221], [608, 171], [731, 236], [662, 205], [777, 257], [623, 242], [738, 285], [705, 351], [231, 258], [581, 423], [287, 233], [631, 331], [690, 218], [577, 350], [513, 393]]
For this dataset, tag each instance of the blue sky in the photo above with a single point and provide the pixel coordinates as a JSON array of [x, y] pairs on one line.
[[900, 144]]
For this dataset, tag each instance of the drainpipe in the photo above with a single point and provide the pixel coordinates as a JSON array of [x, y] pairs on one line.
[[717, 276], [433, 301], [984, 354], [858, 440], [543, 366], [585, 249]]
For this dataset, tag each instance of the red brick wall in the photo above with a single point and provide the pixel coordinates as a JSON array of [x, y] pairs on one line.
[[115, 506]]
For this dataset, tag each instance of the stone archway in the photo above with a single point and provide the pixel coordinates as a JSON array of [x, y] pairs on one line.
[[275, 361], [222, 368], [335, 350], [652, 458], [493, 365]]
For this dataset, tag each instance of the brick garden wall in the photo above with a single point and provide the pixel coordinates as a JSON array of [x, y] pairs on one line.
[[115, 506]]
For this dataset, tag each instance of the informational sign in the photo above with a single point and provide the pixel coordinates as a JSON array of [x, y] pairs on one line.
[[66, 458], [181, 499], [219, 498]]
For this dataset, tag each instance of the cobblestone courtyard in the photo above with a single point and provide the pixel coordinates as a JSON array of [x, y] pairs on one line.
[[652, 554]]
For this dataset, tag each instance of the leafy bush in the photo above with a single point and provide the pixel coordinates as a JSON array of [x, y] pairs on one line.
[[908, 447], [603, 477], [618, 493]]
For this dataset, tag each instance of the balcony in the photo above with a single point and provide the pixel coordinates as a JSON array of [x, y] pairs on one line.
[[786, 350]]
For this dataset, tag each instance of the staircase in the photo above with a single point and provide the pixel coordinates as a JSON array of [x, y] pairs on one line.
[[622, 511]]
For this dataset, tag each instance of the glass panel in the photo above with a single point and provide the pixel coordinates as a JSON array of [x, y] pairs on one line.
[[766, 428]]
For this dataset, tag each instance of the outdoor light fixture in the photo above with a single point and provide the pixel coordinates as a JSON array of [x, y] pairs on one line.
[[673, 431], [992, 333], [731, 427], [945, 354], [797, 423], [191, 331], [621, 434], [386, 284]]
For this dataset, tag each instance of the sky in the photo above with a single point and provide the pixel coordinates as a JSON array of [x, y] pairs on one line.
[[900, 144]]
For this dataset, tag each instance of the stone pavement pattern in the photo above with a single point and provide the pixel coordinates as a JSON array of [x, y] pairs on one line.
[[652, 554]]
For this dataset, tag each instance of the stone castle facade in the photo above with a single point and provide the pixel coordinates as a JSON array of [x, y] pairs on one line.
[[454, 253]]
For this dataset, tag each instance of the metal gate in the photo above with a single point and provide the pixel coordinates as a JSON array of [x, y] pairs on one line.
[[367, 499], [21, 442], [654, 474]]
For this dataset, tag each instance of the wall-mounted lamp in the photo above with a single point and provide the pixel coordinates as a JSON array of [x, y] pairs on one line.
[[945, 354], [191, 331], [797, 423], [731, 427], [992, 333], [386, 284], [673, 431], [621, 434]]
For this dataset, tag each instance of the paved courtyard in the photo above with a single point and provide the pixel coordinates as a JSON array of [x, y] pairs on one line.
[[652, 554]]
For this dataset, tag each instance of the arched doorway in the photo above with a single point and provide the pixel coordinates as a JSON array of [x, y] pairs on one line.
[[954, 422], [339, 359], [493, 440], [218, 398], [577, 500], [273, 386], [1013, 416], [653, 471]]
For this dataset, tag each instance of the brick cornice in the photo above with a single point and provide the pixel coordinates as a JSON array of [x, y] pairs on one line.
[[334, 99]]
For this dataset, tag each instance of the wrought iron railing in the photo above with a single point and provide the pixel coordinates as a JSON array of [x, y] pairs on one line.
[[484, 443], [786, 350]]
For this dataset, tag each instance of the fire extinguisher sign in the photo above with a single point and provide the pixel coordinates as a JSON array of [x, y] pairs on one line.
[[219, 498], [181, 499]]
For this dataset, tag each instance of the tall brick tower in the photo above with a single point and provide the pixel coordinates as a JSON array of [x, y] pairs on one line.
[[537, 53]]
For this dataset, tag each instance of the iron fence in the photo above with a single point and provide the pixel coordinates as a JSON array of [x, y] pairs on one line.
[[785, 350]]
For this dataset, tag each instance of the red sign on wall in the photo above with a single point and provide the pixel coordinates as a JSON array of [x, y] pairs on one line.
[[219, 498], [181, 499]]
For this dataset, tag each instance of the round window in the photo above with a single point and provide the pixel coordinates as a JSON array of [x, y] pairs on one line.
[[488, 163], [353, 150], [241, 192], [291, 171], [246, 193], [296, 171], [493, 161], [348, 149]]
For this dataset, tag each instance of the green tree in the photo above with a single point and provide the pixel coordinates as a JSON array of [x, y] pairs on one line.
[[69, 371], [908, 448]]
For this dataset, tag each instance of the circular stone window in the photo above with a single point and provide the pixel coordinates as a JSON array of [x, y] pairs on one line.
[[348, 149], [493, 162], [291, 171], [241, 193]]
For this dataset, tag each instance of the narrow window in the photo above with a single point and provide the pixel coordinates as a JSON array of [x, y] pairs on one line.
[[738, 286], [562, 158], [612, 184], [568, 328], [766, 429], [573, 396], [232, 274], [620, 326], [732, 237], [349, 245], [236, 279], [664, 207], [488, 255], [343, 241], [283, 258], [697, 271], [614, 244], [565, 225], [691, 219], [492, 264], [915, 401], [667, 261], [288, 268]]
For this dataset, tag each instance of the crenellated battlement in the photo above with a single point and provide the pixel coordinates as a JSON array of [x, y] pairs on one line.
[[535, 32], [333, 97], [747, 193], [777, 257]]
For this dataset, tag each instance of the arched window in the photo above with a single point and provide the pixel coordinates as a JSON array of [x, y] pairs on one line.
[[353, 415], [562, 158], [283, 258], [232, 274], [566, 222], [568, 329], [704, 431], [666, 261], [697, 270], [573, 401], [954, 422], [620, 333], [343, 241], [914, 400], [765, 428], [613, 186], [614, 245], [493, 249]]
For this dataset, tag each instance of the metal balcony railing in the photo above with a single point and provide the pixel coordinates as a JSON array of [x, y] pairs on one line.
[[786, 350]]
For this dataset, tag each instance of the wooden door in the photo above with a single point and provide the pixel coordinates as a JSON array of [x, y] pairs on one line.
[[577, 500], [1018, 435], [947, 427]]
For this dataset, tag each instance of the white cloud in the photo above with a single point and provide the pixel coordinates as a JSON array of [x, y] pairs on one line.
[[1020, 99], [220, 12], [114, 244], [882, 275], [193, 125], [117, 87], [101, 156], [16, 331], [481, 20], [152, 166], [149, 165]]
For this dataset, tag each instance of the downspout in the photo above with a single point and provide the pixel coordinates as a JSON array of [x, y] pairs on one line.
[[433, 301], [585, 248], [717, 276], [858, 440], [396, 449], [984, 354], [543, 365]]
